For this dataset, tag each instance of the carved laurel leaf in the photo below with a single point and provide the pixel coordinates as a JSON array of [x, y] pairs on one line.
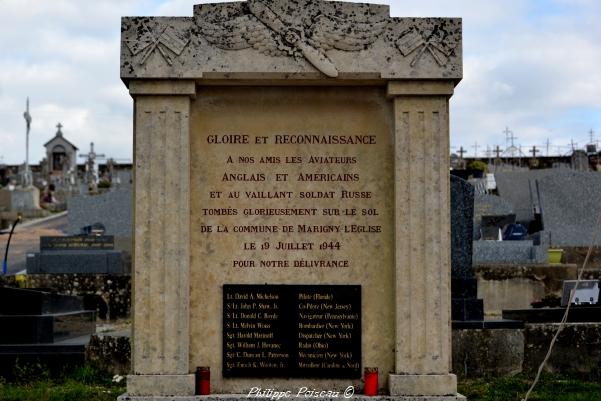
[[329, 32], [241, 33]]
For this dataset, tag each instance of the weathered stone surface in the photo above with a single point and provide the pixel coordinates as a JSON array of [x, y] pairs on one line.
[[518, 252], [576, 350], [415, 385], [354, 71], [173, 385], [422, 235], [261, 111], [429, 330], [304, 39], [505, 286], [487, 352], [162, 244]]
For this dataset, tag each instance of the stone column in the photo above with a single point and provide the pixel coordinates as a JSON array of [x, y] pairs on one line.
[[422, 239], [161, 239]]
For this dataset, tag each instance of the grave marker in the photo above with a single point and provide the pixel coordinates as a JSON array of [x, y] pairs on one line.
[[291, 145]]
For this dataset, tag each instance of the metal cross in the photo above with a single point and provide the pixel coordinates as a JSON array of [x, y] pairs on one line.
[[498, 151], [476, 146], [533, 151]]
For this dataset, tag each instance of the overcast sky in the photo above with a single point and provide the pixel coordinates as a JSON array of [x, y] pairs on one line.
[[531, 65]]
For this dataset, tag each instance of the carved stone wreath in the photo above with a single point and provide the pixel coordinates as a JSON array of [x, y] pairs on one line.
[[303, 29], [297, 28]]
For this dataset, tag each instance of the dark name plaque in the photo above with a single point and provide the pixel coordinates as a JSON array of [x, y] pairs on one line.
[[77, 243], [292, 331]]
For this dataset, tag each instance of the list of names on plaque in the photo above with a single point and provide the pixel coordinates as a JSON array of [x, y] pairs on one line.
[[292, 331]]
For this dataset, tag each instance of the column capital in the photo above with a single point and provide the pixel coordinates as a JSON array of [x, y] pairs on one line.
[[156, 87], [420, 88]]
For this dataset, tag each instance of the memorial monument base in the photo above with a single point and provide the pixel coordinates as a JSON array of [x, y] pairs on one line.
[[243, 397], [436, 385], [141, 387]]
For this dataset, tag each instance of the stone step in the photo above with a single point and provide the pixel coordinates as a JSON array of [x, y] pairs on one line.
[[59, 357], [104, 262], [47, 328], [19, 301]]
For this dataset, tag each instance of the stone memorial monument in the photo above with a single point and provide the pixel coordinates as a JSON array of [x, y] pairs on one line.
[[291, 202]]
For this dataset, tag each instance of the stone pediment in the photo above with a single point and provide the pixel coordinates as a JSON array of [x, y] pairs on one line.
[[301, 39], [59, 140]]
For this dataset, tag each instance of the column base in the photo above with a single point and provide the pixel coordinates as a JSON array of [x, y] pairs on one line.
[[423, 385], [244, 397], [159, 385]]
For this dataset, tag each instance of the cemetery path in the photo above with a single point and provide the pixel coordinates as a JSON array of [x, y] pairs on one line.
[[27, 239]]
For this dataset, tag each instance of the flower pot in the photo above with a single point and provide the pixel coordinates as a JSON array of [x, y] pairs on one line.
[[555, 256]]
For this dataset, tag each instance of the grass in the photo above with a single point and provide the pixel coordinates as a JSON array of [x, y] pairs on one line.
[[549, 388], [85, 383]]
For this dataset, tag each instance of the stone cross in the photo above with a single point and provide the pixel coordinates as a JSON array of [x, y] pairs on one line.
[[27, 179], [510, 141], [91, 176], [461, 152], [573, 145]]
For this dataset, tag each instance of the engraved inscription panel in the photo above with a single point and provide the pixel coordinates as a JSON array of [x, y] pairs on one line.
[[292, 331], [77, 243], [291, 188]]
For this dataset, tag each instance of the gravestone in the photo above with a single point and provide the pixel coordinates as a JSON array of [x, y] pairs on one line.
[[21, 200], [519, 189], [570, 206], [112, 209], [89, 254], [42, 327], [465, 305], [292, 173], [491, 227], [489, 205]]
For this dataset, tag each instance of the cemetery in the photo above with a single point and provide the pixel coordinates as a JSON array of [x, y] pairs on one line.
[[294, 225]]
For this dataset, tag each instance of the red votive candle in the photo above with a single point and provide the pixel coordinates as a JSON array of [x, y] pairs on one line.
[[203, 380], [370, 377]]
